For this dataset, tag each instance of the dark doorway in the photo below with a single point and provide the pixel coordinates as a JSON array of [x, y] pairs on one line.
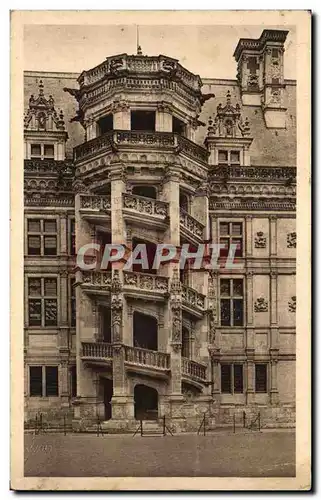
[[146, 402], [105, 124], [145, 331], [105, 316], [150, 252], [185, 343], [183, 201], [143, 120], [108, 394], [147, 191]]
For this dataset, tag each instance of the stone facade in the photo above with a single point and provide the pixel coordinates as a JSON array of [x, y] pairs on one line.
[[144, 151]]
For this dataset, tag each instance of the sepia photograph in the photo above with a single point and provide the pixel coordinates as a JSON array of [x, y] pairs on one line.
[[155, 199]]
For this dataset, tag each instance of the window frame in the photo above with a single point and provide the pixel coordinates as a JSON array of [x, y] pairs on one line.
[[42, 234], [43, 381], [266, 365], [232, 378], [229, 151], [42, 155], [231, 298], [230, 236], [42, 298]]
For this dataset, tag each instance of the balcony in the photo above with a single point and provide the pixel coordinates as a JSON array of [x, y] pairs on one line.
[[193, 301], [97, 352], [143, 285], [124, 140], [94, 208], [144, 358], [193, 370], [191, 228], [96, 281], [145, 211]]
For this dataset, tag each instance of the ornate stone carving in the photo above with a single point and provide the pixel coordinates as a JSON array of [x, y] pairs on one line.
[[228, 121], [192, 225], [261, 305], [260, 240], [291, 240], [192, 297], [292, 304], [42, 116]]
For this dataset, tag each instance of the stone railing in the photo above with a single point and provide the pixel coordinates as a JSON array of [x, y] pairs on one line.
[[158, 140], [192, 225], [45, 200], [144, 281], [144, 205], [268, 203], [254, 173], [97, 350], [192, 297], [93, 147], [193, 369], [146, 357], [96, 278], [95, 202]]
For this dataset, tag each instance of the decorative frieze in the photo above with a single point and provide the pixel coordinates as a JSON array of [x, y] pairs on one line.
[[260, 240], [292, 304], [95, 202], [51, 200], [277, 204], [193, 298], [291, 240], [96, 278], [261, 305], [255, 173], [144, 281]]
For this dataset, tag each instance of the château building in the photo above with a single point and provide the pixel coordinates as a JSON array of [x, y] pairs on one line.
[[141, 150]]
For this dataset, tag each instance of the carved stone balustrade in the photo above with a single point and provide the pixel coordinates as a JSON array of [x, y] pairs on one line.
[[193, 300], [100, 279], [193, 369], [95, 202], [254, 173], [96, 350], [122, 140], [148, 207], [191, 226], [147, 285], [146, 357]]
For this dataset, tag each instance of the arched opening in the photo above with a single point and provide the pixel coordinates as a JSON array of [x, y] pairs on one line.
[[108, 394], [147, 191], [186, 351], [150, 253], [146, 402], [105, 124], [145, 331]]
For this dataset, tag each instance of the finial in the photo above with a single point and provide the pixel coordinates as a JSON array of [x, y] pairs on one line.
[[139, 51], [228, 97], [40, 87]]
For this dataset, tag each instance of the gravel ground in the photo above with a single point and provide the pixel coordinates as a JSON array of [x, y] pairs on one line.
[[255, 454]]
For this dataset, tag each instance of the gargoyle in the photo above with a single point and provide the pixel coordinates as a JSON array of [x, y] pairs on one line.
[[74, 92], [206, 97]]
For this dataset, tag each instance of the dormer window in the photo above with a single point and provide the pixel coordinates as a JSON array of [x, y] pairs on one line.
[[42, 151], [229, 157]]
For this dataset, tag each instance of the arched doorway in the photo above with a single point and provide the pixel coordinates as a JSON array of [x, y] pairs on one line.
[[145, 331], [146, 402]]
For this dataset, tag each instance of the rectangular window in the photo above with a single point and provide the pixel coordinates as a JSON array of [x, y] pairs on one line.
[[42, 237], [72, 237], [35, 151], [229, 157], [72, 302], [231, 233], [35, 381], [42, 302], [143, 120], [231, 302], [42, 151], [49, 151], [178, 126], [73, 381], [260, 378], [231, 379], [52, 381]]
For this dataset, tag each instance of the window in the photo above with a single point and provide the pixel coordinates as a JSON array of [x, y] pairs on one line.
[[231, 379], [43, 381], [72, 296], [147, 191], [35, 380], [143, 120], [229, 158], [42, 151], [231, 302], [178, 126], [260, 378], [42, 237], [183, 201], [105, 124], [72, 237], [42, 301], [73, 381], [231, 233]]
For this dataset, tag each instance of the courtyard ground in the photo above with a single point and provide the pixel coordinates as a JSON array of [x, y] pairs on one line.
[[253, 454]]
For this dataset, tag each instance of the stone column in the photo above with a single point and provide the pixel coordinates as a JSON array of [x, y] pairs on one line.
[[274, 339], [249, 236], [64, 382], [250, 333], [163, 119], [121, 115], [274, 392], [117, 189], [250, 376], [63, 339], [176, 335], [273, 235], [63, 234]]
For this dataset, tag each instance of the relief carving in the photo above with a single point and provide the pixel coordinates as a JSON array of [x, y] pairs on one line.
[[260, 240], [261, 305]]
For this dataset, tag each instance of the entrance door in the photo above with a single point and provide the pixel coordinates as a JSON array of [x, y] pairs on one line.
[[108, 394], [146, 402]]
